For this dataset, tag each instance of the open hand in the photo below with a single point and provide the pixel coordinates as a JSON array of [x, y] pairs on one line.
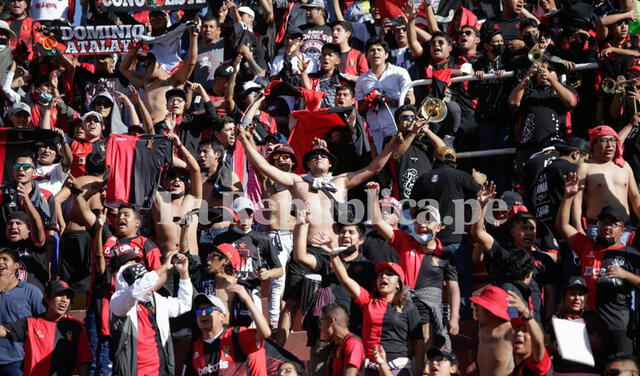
[[572, 184]]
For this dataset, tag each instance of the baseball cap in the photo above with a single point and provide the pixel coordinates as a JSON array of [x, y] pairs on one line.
[[277, 138], [4, 26], [59, 287], [223, 71], [577, 281], [92, 113], [294, 32], [18, 107], [393, 266], [434, 351], [493, 299], [319, 150], [314, 4], [247, 10], [615, 211], [104, 94], [512, 199], [176, 92], [226, 250], [242, 203], [209, 299], [120, 259], [434, 214], [21, 216], [284, 149], [133, 272]]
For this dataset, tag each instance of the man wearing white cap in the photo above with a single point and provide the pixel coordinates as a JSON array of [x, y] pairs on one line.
[[93, 142], [247, 15], [20, 115], [259, 259], [316, 32], [221, 351]]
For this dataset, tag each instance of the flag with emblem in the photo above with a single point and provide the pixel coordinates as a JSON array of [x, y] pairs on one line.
[[16, 141]]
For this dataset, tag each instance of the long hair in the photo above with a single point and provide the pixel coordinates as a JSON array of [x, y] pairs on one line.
[[400, 298]]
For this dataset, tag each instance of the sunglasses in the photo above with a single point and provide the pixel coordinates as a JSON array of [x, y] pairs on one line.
[[439, 42], [208, 311], [177, 176], [615, 371], [318, 156], [284, 157], [22, 166], [407, 117], [467, 32], [175, 99]]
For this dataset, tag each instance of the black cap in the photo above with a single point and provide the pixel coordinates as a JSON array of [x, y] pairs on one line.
[[512, 199], [59, 287], [294, 31], [573, 144], [576, 281], [176, 92], [615, 211], [157, 12], [118, 260], [21, 216], [133, 272], [332, 47], [434, 351], [223, 71]]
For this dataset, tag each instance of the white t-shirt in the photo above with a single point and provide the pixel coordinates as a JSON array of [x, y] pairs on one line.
[[47, 10], [50, 178]]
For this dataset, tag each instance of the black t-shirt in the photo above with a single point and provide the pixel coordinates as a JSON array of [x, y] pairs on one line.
[[377, 249], [544, 272], [492, 93], [547, 195], [32, 263], [632, 152], [613, 296], [88, 84], [360, 270], [531, 171], [313, 38], [413, 163], [255, 251], [445, 184], [510, 29], [543, 117]]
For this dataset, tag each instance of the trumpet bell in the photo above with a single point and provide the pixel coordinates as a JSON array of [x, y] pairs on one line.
[[609, 85], [574, 79], [434, 110], [535, 55]]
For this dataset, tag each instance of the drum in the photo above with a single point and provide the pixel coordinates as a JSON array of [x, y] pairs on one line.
[[310, 285]]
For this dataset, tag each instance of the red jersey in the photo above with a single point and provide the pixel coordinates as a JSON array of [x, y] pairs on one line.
[[80, 151], [530, 367], [51, 347], [147, 357], [349, 352]]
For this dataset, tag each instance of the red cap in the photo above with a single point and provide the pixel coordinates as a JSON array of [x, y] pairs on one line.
[[231, 253], [493, 299], [390, 265]]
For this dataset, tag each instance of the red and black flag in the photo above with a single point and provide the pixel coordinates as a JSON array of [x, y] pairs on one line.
[[18, 141], [311, 98], [277, 355], [441, 79]]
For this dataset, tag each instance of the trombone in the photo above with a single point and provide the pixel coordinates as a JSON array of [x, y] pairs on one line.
[[611, 86], [433, 110]]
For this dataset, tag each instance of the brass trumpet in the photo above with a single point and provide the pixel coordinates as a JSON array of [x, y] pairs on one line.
[[574, 79], [535, 55], [433, 109], [611, 86]]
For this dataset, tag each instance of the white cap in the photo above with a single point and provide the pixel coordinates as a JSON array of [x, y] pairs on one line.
[[4, 26], [434, 214], [242, 203], [212, 299], [247, 10], [92, 113], [250, 85]]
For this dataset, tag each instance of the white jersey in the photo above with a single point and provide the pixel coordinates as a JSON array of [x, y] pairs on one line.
[[46, 10]]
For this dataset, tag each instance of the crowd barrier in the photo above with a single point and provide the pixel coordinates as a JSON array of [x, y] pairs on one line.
[[482, 153]]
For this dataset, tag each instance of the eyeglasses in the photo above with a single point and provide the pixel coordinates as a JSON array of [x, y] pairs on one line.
[[608, 224], [616, 371], [284, 157], [318, 156], [206, 311], [407, 117], [176, 100], [22, 166], [607, 140], [439, 42]]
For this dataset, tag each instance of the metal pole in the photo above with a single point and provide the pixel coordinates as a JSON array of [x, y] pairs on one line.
[[473, 77], [485, 153]]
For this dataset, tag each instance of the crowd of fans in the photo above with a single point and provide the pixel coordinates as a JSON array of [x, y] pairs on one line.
[[255, 165]]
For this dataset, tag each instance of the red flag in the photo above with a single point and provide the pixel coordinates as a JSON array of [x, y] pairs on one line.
[[312, 124], [440, 81], [392, 9], [312, 98]]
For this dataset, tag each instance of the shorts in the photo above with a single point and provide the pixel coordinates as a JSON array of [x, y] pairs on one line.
[[75, 259]]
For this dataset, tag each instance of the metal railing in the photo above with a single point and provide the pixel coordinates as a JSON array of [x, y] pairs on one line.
[[481, 153]]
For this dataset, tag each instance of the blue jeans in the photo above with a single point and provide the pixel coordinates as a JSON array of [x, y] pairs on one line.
[[11, 369], [101, 365]]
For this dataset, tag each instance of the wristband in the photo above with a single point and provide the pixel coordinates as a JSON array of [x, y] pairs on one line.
[[528, 317]]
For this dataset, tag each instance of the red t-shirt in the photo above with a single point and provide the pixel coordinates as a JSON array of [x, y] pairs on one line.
[[349, 352], [411, 255], [51, 347], [591, 255], [529, 367], [148, 358], [218, 357]]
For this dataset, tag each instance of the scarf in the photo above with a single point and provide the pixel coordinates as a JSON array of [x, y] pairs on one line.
[[319, 183], [603, 130]]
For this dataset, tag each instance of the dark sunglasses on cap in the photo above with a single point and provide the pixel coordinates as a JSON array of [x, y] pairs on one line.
[[467, 32], [208, 311], [318, 155], [22, 166], [178, 175]]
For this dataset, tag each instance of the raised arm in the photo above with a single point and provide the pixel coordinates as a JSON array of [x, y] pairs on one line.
[[65, 151], [352, 287], [353, 179], [122, 99], [182, 75], [300, 254], [412, 34], [537, 337], [37, 233], [478, 230], [262, 326], [192, 165], [516, 95], [147, 120], [285, 179], [385, 229], [571, 187], [602, 30], [101, 265], [126, 65]]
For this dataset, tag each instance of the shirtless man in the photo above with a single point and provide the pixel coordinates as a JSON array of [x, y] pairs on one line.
[[183, 200], [607, 180], [494, 346], [307, 188], [155, 80], [218, 178], [75, 241]]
